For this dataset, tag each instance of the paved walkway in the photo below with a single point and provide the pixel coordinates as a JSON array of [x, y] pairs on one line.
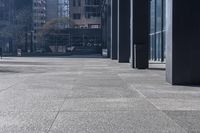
[[88, 95]]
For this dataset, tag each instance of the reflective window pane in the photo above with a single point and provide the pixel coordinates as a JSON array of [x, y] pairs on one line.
[[157, 30]]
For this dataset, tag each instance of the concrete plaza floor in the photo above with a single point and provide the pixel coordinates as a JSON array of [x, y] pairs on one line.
[[92, 95]]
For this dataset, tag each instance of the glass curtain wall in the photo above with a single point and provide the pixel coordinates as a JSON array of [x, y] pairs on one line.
[[157, 31]]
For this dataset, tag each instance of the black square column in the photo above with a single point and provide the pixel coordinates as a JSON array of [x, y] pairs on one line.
[[140, 33], [123, 31], [183, 42], [108, 27], [114, 26]]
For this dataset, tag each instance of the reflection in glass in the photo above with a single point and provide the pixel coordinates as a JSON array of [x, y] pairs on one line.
[[157, 30]]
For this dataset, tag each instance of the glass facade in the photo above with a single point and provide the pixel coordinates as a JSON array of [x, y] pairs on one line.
[[92, 8], [157, 31]]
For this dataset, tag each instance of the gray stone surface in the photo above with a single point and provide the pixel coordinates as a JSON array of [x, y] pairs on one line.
[[92, 95], [26, 122], [137, 121], [187, 119]]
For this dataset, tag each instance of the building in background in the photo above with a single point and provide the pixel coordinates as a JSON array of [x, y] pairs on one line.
[[39, 19], [51, 9], [63, 8], [6, 18], [15, 25], [7, 10], [85, 13], [45, 11], [35, 18], [76, 24], [57, 9]]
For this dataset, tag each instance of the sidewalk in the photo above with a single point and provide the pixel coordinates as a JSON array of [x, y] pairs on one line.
[[92, 95]]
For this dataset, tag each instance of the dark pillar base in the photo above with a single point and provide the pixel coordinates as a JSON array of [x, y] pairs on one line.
[[140, 59], [140, 33]]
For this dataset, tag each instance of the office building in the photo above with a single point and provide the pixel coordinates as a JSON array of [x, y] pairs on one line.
[[39, 19], [51, 9], [7, 13], [63, 8], [165, 31], [7, 10], [47, 10], [85, 13], [57, 9]]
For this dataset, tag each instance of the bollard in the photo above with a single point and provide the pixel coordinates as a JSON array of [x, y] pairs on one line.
[[1, 53]]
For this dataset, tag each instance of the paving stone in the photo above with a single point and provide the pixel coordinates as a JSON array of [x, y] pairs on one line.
[[189, 120], [30, 101], [26, 122], [176, 104], [106, 104], [115, 122], [92, 95], [103, 92]]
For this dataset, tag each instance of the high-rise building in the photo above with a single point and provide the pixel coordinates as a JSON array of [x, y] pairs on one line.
[[51, 9], [39, 19], [85, 13], [47, 10], [63, 8], [7, 10], [57, 9]]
